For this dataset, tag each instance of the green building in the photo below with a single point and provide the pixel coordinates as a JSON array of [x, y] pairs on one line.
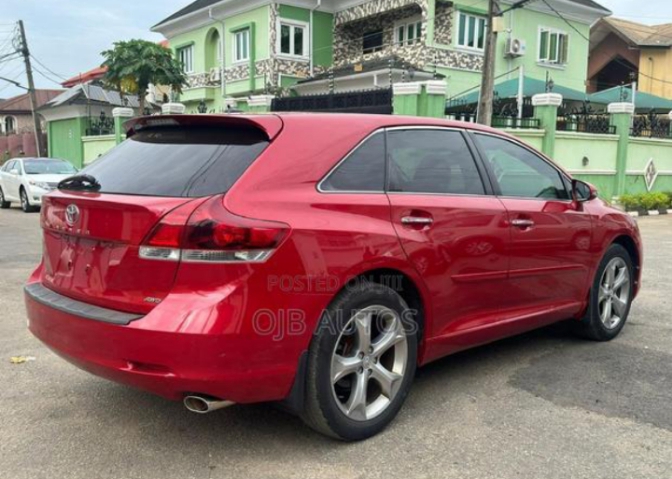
[[234, 49]]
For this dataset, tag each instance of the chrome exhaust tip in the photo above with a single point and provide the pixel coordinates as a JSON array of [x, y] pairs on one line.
[[205, 405]]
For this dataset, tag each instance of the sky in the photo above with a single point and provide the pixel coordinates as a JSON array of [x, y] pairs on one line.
[[67, 36]]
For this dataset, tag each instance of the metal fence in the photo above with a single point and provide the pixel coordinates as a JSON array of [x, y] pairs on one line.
[[590, 123], [368, 101], [517, 123], [98, 126], [651, 126]]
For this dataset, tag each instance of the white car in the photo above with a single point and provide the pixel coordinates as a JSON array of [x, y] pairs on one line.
[[25, 180]]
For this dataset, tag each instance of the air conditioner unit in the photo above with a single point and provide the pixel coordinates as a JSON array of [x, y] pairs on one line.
[[215, 75], [515, 47]]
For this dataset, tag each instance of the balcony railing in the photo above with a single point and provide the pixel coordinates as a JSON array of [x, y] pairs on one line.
[[99, 126]]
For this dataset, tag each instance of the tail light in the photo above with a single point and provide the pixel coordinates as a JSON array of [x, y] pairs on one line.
[[212, 234]]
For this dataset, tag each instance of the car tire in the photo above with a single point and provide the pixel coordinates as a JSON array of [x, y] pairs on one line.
[[4, 204], [610, 298], [357, 381], [25, 203]]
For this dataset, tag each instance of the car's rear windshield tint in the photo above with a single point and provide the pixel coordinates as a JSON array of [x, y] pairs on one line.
[[178, 161]]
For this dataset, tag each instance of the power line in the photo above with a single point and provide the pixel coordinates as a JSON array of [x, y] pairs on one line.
[[47, 77], [47, 68]]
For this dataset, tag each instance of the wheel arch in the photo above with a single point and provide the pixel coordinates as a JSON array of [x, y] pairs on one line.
[[629, 244]]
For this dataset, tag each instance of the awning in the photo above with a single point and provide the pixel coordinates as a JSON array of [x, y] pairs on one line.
[[643, 101], [509, 89]]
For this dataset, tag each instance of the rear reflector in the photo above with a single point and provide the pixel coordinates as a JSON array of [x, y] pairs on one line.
[[212, 234]]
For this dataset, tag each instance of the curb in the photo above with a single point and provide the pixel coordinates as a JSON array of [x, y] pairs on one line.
[[636, 214]]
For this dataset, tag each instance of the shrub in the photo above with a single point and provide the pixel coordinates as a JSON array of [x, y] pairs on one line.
[[646, 201]]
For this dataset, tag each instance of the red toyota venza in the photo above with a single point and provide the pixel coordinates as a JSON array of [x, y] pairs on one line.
[[316, 260]]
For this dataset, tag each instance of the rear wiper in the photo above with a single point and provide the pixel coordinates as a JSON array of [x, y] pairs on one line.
[[80, 183]]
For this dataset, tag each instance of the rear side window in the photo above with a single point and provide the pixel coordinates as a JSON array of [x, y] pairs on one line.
[[432, 161], [362, 171], [178, 162]]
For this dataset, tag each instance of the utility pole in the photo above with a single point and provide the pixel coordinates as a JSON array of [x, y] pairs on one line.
[[488, 79], [31, 88]]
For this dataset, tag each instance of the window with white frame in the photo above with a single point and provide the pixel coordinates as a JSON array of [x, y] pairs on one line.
[[186, 57], [408, 31], [293, 39], [471, 30], [553, 46], [241, 45]]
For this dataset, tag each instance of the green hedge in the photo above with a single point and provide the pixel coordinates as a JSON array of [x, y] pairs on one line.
[[647, 201]]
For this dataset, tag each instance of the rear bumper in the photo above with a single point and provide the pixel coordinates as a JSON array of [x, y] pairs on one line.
[[227, 365]]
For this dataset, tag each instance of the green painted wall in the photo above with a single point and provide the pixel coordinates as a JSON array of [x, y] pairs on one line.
[[571, 148], [260, 17], [95, 146], [323, 39], [323, 31], [524, 24], [199, 39], [534, 138], [65, 140]]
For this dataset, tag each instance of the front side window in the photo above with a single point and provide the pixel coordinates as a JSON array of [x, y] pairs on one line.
[[432, 161], [293, 40], [553, 46], [519, 172], [471, 31], [410, 32], [186, 57], [241, 45], [362, 171], [373, 41]]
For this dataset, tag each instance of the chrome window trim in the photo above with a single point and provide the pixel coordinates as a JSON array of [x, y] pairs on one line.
[[517, 142]]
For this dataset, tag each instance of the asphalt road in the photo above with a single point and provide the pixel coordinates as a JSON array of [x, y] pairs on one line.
[[543, 405]]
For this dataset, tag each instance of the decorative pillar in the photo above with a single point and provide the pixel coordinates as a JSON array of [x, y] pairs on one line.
[[260, 103], [621, 118], [546, 111], [406, 98], [433, 100], [120, 115], [173, 109]]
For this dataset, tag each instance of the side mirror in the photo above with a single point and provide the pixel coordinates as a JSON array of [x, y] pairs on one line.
[[14, 172], [582, 191]]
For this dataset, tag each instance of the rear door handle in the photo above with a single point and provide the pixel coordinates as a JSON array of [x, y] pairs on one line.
[[416, 220], [522, 223]]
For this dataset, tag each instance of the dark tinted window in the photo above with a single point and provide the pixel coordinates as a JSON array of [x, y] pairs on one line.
[[432, 161], [363, 170], [521, 173], [373, 41], [178, 161]]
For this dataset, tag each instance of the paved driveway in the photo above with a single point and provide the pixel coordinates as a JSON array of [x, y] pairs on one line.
[[540, 405]]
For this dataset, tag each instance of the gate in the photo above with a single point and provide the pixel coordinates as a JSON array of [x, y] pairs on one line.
[[366, 101]]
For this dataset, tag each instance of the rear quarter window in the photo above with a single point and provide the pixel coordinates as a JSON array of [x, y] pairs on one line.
[[178, 161], [363, 170]]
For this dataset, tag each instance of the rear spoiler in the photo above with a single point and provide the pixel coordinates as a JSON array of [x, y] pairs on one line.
[[271, 125]]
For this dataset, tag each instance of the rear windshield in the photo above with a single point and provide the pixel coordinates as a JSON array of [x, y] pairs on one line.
[[178, 162]]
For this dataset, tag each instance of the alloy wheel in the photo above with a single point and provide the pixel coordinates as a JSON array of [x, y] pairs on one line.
[[369, 362], [614, 294], [24, 201]]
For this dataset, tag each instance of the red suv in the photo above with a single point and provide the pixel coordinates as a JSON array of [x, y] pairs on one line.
[[317, 260]]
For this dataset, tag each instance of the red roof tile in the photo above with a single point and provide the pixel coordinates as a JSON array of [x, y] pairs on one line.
[[21, 103]]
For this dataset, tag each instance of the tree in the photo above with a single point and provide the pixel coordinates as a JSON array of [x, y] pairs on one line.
[[135, 64]]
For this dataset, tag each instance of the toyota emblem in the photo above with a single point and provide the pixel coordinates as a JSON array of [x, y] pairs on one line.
[[71, 215]]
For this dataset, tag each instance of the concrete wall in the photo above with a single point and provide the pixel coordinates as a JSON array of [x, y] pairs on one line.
[[95, 146]]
